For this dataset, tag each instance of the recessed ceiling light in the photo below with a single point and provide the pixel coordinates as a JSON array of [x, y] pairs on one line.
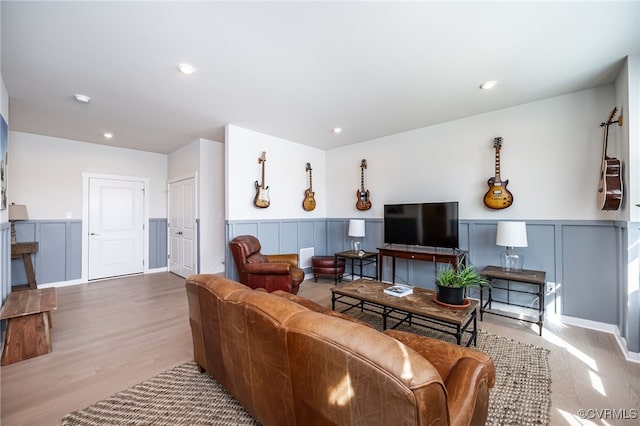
[[337, 130], [82, 98], [186, 69], [108, 135], [488, 85]]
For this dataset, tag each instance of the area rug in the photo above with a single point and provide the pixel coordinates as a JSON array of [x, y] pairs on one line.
[[184, 396]]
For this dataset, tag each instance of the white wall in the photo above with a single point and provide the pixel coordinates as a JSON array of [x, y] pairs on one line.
[[285, 175], [551, 155], [212, 230], [46, 173]]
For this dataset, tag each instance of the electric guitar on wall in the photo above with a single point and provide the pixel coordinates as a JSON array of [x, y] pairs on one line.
[[498, 196], [363, 203], [309, 202], [262, 191], [610, 186]]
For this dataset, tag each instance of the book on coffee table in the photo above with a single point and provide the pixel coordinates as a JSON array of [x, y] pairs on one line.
[[398, 290]]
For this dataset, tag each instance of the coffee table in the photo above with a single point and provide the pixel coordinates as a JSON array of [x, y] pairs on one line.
[[418, 308]]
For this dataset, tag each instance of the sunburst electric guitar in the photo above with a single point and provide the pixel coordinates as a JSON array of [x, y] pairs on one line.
[[309, 202], [262, 190], [363, 203], [498, 196], [610, 186]]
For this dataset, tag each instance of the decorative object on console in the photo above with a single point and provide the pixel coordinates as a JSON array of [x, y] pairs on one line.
[[262, 190], [511, 235], [398, 290], [452, 283], [498, 196], [610, 185], [309, 202], [356, 231], [16, 212], [363, 203]]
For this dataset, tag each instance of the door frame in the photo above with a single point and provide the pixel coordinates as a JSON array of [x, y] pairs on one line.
[[84, 277], [196, 201]]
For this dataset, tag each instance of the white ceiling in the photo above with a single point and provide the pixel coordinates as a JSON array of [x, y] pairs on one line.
[[295, 70]]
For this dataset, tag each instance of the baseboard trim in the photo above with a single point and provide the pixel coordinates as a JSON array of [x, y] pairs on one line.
[[606, 328]]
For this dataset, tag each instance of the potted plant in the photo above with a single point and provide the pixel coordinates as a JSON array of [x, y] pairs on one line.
[[452, 283]]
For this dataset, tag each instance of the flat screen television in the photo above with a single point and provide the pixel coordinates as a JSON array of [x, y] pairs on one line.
[[422, 224]]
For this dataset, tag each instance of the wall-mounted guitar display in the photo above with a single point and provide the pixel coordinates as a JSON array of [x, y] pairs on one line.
[[498, 196], [610, 186], [309, 202], [363, 203], [262, 190]]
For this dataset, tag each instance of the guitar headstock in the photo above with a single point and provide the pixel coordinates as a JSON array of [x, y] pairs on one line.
[[308, 169], [497, 142], [363, 164], [263, 157]]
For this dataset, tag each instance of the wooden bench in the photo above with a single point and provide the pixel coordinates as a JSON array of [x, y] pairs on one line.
[[28, 315]]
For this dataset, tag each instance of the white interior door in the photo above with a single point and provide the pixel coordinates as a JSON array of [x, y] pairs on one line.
[[116, 228], [182, 227]]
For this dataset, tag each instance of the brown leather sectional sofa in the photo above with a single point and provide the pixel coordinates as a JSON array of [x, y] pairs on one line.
[[289, 361]]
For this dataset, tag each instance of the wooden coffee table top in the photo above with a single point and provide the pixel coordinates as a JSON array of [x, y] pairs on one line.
[[419, 303]]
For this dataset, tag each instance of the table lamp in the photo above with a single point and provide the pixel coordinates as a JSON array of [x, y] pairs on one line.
[[356, 231], [16, 212], [511, 235]]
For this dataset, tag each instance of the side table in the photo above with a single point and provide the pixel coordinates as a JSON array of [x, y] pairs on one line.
[[24, 250], [368, 258], [534, 278]]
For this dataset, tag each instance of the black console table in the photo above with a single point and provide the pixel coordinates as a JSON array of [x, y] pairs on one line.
[[534, 278], [427, 254]]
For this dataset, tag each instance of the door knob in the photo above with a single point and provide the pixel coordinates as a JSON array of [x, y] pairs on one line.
[[93, 233]]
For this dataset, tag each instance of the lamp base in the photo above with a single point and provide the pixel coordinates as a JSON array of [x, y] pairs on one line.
[[355, 245], [511, 260], [13, 233]]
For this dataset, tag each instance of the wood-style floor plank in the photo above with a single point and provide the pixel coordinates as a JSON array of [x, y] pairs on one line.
[[109, 335]]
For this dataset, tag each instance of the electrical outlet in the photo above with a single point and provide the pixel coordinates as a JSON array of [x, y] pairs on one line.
[[551, 287]]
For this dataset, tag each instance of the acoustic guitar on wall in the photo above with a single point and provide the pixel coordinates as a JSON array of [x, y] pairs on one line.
[[610, 186], [498, 196], [363, 203], [309, 202], [262, 190]]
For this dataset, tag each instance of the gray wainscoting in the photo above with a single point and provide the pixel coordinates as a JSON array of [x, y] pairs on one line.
[[580, 258], [59, 256], [5, 260]]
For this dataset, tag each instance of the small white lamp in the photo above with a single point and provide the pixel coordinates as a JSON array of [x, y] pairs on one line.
[[356, 231], [511, 235], [16, 212]]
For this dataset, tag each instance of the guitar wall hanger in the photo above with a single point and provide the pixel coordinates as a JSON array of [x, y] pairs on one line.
[[309, 202], [364, 202], [610, 184], [498, 196], [262, 190]]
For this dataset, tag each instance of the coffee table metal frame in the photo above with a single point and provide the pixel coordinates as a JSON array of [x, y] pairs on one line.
[[455, 329]]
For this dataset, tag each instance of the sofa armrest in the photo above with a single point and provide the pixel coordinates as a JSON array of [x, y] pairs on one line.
[[267, 268], [468, 374], [468, 393], [444, 356], [291, 259]]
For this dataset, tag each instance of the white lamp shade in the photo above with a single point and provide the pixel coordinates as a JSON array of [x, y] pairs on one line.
[[511, 234], [356, 228], [18, 212]]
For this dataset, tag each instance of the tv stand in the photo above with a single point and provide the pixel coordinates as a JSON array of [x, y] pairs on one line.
[[426, 254]]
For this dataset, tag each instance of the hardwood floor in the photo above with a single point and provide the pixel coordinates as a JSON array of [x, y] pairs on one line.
[[109, 335]]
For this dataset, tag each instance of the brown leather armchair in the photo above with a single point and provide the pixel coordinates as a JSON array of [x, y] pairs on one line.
[[271, 271]]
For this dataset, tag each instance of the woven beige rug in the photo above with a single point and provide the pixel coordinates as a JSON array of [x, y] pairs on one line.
[[183, 396]]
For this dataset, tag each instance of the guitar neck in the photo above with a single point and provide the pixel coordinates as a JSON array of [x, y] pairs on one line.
[[497, 175]]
